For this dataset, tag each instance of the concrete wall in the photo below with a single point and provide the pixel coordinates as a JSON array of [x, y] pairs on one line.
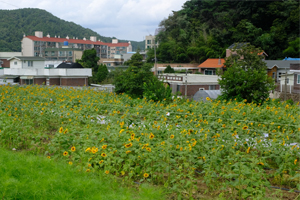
[[27, 47], [15, 64]]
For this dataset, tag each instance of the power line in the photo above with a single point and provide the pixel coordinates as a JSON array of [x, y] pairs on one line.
[[9, 4]]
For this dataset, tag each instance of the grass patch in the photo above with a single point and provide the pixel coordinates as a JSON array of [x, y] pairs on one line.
[[25, 176]]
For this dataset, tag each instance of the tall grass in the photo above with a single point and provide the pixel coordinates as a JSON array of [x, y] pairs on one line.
[[24, 176]]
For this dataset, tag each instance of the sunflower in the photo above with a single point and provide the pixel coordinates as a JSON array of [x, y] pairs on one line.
[[106, 172], [104, 146], [73, 148], [61, 129], [172, 136], [260, 163], [248, 150], [245, 127], [103, 154], [207, 98], [88, 170], [101, 161], [295, 161], [146, 175], [151, 136], [65, 153], [148, 149], [48, 157], [70, 163], [128, 145], [65, 131], [127, 152]]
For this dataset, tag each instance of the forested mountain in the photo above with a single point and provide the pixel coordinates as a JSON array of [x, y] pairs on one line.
[[205, 28], [14, 23]]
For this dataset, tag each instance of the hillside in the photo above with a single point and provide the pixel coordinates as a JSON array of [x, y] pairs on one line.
[[205, 28], [14, 23]]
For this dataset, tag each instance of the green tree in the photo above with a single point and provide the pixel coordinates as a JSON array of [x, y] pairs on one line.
[[294, 49], [246, 76], [155, 90], [135, 60], [89, 59], [101, 73], [131, 81], [169, 69]]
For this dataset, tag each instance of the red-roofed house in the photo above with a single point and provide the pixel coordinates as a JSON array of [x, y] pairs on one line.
[[210, 66], [52, 48]]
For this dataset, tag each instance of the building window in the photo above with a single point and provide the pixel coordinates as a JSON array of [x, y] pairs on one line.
[[52, 53], [148, 41], [210, 72], [30, 63], [212, 87], [46, 53], [62, 53], [70, 53], [28, 81], [298, 79], [15, 63]]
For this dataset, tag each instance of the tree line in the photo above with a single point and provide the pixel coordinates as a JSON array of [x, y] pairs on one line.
[[205, 28], [15, 23]]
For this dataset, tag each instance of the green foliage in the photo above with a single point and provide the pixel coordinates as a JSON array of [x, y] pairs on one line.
[[169, 69], [89, 59], [15, 23], [132, 80], [135, 60], [102, 73], [155, 90], [293, 49], [245, 76], [204, 29]]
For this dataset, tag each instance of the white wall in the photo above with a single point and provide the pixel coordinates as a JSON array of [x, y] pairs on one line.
[[48, 72], [18, 64], [27, 47], [24, 64]]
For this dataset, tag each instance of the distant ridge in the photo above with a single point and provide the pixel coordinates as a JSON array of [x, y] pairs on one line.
[[15, 23]]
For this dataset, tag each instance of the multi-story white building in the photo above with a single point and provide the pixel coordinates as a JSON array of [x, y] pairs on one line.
[[56, 48], [150, 42]]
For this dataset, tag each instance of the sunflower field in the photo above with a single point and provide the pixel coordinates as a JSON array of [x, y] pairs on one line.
[[238, 148]]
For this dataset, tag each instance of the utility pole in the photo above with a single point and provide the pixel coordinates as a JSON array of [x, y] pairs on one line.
[[155, 65], [285, 85], [185, 91]]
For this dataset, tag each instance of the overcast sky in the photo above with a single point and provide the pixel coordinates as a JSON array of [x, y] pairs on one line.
[[123, 19]]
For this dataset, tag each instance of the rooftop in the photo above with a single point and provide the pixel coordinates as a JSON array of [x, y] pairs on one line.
[[213, 63], [76, 41], [27, 58]]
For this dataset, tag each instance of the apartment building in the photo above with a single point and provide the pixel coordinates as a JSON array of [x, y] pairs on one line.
[[150, 42], [56, 48]]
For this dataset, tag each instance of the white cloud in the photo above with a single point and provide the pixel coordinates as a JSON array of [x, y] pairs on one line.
[[124, 19]]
